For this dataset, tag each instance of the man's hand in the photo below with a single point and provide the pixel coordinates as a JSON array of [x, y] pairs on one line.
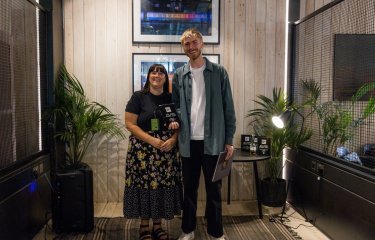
[[229, 149]]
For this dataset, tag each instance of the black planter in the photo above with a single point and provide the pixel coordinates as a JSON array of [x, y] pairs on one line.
[[73, 205], [273, 193]]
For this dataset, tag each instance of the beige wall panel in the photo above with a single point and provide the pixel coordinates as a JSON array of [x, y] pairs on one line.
[[68, 34], [101, 96], [327, 1], [249, 63], [260, 46], [89, 48], [89, 73], [247, 181], [251, 49], [176, 48], [79, 41], [227, 59], [280, 44], [164, 48], [310, 6], [270, 46], [241, 190], [123, 84], [112, 77], [318, 4], [57, 36], [302, 7], [238, 83]]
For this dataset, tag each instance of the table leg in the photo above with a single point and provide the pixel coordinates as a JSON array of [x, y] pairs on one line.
[[259, 197], [228, 194]]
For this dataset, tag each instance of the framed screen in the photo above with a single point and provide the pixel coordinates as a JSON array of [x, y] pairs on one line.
[[354, 64], [143, 61], [163, 21]]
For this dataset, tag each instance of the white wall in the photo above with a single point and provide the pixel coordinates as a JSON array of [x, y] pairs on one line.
[[98, 51]]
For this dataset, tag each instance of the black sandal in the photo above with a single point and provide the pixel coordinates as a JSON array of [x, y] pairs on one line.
[[159, 234], [145, 235]]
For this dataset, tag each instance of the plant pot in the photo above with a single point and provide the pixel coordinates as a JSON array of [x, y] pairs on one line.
[[73, 205], [273, 193]]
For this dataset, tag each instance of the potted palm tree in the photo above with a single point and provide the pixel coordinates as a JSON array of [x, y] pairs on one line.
[[292, 135], [82, 121]]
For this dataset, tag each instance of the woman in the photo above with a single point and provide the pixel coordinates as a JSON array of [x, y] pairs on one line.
[[153, 186]]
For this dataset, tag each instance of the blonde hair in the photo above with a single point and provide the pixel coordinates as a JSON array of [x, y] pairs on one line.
[[191, 32]]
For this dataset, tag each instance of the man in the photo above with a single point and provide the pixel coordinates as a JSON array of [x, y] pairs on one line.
[[203, 97]]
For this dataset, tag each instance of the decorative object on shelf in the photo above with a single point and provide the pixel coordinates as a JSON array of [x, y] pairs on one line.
[[81, 121], [245, 142], [163, 21], [143, 61], [264, 147], [254, 146]]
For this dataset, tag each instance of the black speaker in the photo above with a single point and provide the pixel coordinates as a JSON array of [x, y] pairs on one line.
[[73, 205]]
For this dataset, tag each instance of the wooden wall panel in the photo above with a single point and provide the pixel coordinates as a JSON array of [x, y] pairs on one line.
[[280, 44], [68, 34], [270, 55], [309, 6], [98, 50]]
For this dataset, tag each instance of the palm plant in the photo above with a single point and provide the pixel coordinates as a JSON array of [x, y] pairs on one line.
[[83, 119], [336, 119], [292, 135]]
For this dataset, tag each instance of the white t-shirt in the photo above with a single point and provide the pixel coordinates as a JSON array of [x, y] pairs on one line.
[[198, 103]]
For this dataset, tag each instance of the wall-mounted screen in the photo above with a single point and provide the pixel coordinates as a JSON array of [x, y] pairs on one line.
[[354, 64]]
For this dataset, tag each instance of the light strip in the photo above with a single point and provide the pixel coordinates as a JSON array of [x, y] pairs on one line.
[[286, 65], [38, 79]]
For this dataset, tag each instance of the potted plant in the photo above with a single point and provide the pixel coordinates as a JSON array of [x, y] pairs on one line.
[[82, 121], [338, 120], [292, 135]]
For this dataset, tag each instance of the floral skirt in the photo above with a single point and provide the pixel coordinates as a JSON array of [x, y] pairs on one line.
[[153, 182]]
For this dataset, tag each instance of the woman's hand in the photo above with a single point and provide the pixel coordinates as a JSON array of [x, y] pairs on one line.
[[157, 143], [168, 145], [174, 126]]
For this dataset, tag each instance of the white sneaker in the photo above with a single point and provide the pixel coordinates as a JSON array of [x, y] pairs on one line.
[[186, 236], [220, 238]]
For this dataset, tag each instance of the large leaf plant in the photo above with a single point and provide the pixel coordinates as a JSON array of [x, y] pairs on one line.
[[292, 135], [82, 119]]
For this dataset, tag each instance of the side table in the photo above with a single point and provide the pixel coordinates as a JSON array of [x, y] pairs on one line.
[[244, 157]]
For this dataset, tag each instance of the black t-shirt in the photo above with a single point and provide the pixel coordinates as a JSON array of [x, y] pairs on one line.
[[144, 105]]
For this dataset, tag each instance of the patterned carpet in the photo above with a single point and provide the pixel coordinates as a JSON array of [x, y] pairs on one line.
[[235, 228]]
